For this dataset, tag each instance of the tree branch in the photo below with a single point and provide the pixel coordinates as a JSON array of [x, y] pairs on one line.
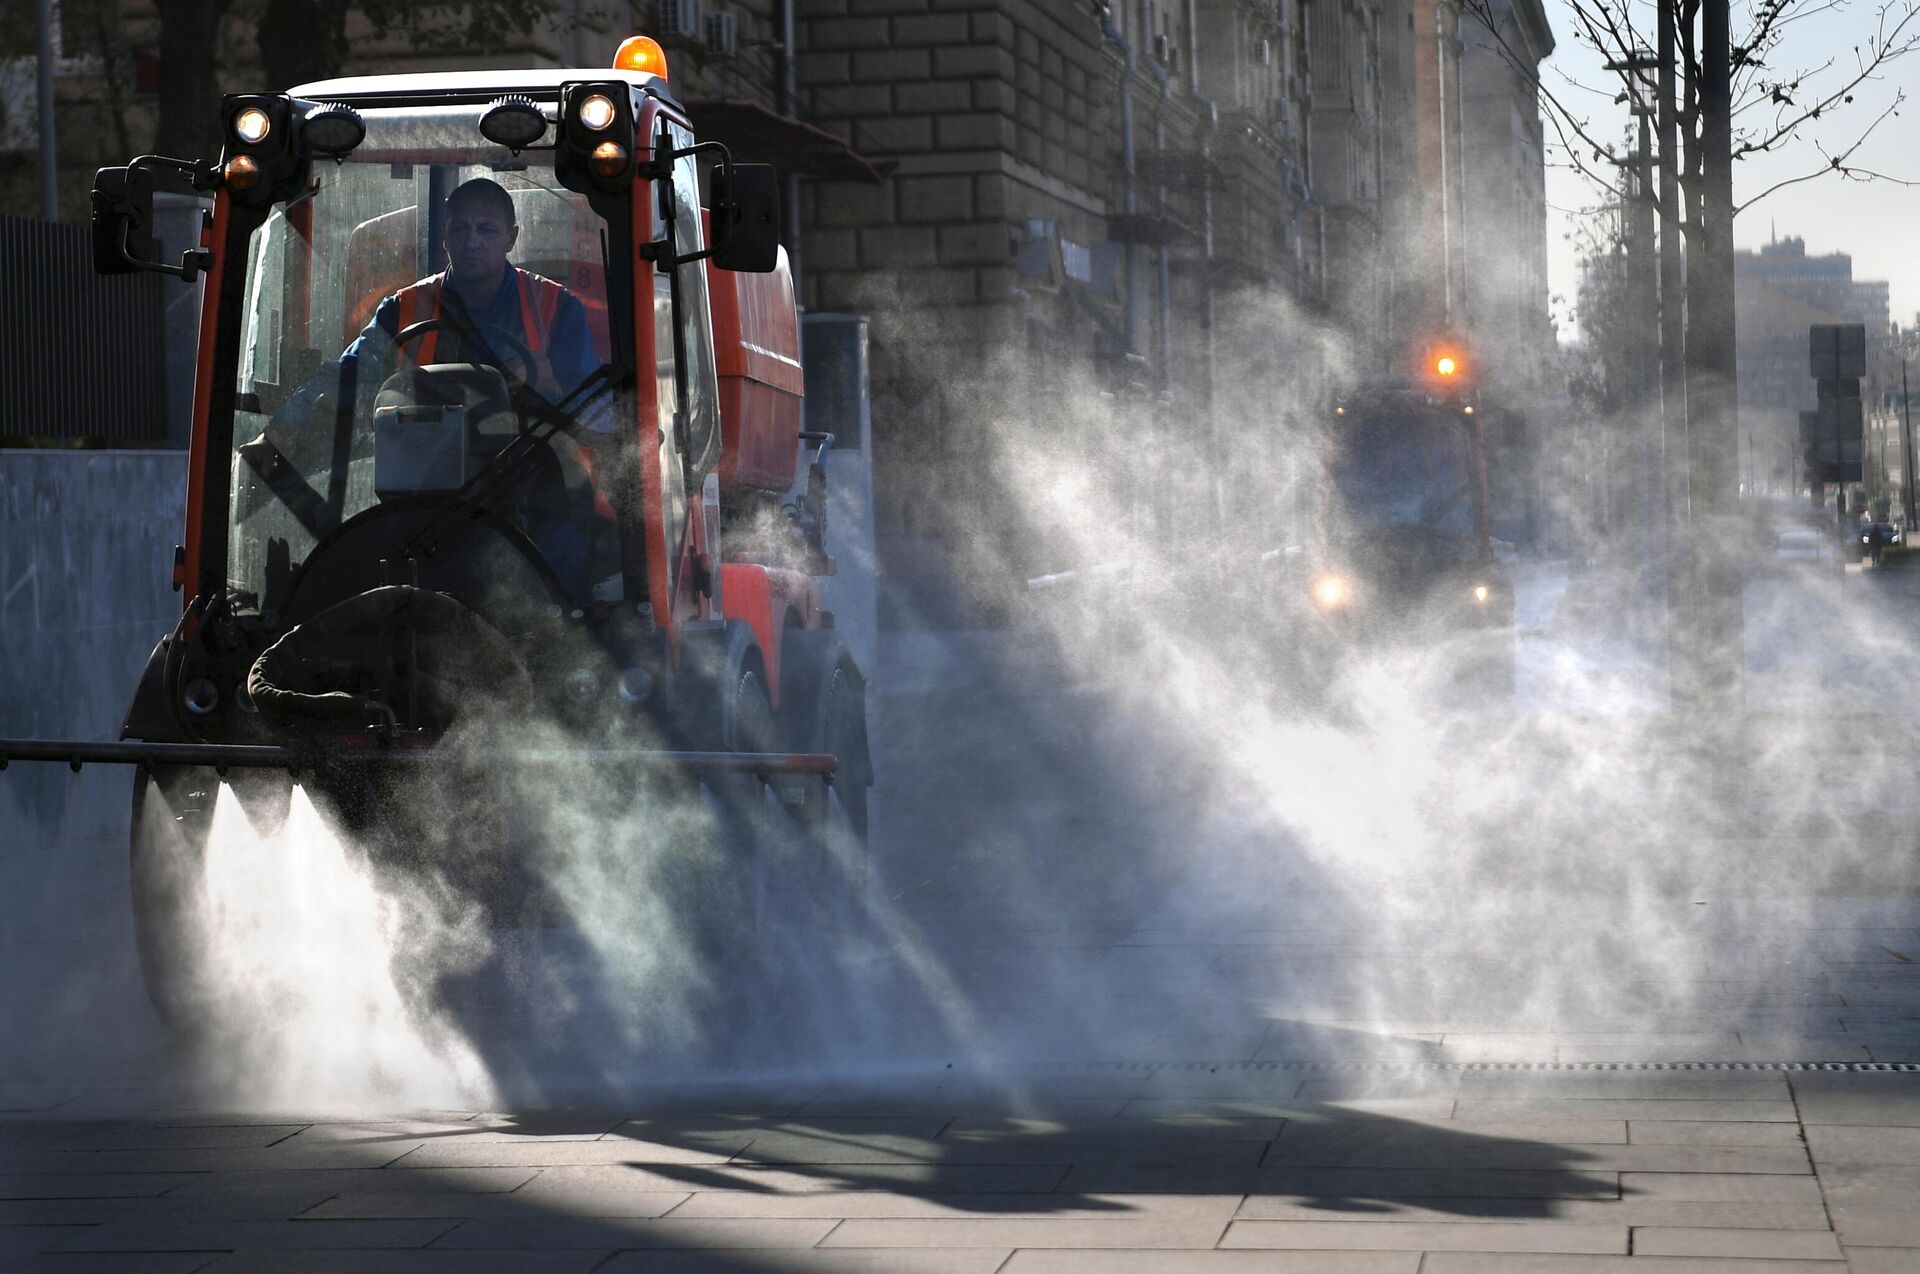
[[1886, 46], [1838, 163]]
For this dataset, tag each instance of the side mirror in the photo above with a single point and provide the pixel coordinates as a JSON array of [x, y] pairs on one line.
[[122, 220], [746, 218]]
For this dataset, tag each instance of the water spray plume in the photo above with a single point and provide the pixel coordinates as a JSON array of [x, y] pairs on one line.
[[312, 951], [1124, 816]]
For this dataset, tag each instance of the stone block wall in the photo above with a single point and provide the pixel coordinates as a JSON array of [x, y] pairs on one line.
[[988, 112], [1003, 123]]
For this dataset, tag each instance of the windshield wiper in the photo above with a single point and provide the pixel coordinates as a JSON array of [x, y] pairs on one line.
[[513, 462]]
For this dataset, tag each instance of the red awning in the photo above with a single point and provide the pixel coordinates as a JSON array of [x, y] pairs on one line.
[[757, 134]]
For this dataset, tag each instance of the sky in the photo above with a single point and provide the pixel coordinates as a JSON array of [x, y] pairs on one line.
[[1878, 222]]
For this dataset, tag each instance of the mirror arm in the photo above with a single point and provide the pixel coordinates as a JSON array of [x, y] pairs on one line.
[[192, 261], [725, 210], [662, 164], [822, 439], [200, 174], [663, 258]]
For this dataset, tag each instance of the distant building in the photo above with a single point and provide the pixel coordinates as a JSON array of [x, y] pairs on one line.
[[1779, 291], [1503, 251]]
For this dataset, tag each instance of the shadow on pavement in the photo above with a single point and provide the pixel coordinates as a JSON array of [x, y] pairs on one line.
[[741, 1192]]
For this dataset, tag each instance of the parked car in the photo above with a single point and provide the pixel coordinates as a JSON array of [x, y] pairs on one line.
[[1802, 548]]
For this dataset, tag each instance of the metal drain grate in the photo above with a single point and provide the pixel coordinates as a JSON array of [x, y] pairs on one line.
[[1857, 1068]]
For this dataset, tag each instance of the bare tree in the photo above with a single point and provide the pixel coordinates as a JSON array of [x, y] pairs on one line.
[[300, 41], [305, 40], [1775, 104], [189, 52], [1722, 94]]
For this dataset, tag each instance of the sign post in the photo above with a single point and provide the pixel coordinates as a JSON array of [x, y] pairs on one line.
[[1833, 435]]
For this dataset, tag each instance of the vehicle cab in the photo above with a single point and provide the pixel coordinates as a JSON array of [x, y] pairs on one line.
[[548, 461], [1403, 527]]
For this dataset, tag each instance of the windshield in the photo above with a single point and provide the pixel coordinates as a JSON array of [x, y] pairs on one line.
[[1403, 471], [404, 321]]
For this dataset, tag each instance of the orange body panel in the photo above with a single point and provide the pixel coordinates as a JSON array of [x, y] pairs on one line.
[[770, 600], [756, 350], [212, 238]]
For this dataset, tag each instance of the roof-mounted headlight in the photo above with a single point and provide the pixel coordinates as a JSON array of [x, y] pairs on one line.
[[333, 130], [514, 122]]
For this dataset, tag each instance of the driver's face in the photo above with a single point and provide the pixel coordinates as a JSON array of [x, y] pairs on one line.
[[478, 240]]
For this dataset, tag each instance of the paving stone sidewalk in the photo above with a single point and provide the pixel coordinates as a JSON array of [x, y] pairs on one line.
[[1234, 1167]]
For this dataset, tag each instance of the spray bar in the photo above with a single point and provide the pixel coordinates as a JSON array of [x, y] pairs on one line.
[[222, 756]]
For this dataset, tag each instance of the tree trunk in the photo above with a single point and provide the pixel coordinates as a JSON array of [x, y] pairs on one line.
[[189, 99], [1673, 374], [1712, 413], [302, 40]]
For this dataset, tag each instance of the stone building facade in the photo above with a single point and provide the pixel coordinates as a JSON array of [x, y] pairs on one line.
[[1503, 245]]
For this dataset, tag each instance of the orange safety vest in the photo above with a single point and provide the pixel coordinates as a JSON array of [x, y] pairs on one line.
[[539, 304]]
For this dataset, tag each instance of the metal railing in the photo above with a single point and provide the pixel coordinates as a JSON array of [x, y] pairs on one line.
[[82, 357]]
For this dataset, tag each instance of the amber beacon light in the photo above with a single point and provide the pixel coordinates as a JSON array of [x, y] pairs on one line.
[[641, 53]]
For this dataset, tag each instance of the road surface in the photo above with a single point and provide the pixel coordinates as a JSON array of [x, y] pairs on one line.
[[1159, 974]]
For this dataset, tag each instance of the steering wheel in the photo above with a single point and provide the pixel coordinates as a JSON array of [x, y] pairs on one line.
[[493, 337]]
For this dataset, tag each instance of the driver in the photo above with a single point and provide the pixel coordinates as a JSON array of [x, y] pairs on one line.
[[481, 292]]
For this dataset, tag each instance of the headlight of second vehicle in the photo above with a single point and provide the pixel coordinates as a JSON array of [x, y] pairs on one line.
[[1330, 592]]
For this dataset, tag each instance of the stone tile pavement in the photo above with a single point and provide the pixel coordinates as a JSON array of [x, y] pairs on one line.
[[1452, 1169]]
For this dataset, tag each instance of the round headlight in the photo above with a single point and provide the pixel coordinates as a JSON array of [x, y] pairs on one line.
[[1480, 593], [242, 172], [252, 125], [596, 112], [608, 159]]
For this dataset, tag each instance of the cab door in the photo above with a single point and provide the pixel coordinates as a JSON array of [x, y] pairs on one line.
[[685, 390]]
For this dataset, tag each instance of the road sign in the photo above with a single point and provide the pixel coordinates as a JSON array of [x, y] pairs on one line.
[[1841, 418], [1832, 452], [1836, 349]]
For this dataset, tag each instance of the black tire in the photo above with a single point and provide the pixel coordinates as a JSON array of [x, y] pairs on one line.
[[846, 737], [737, 804]]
